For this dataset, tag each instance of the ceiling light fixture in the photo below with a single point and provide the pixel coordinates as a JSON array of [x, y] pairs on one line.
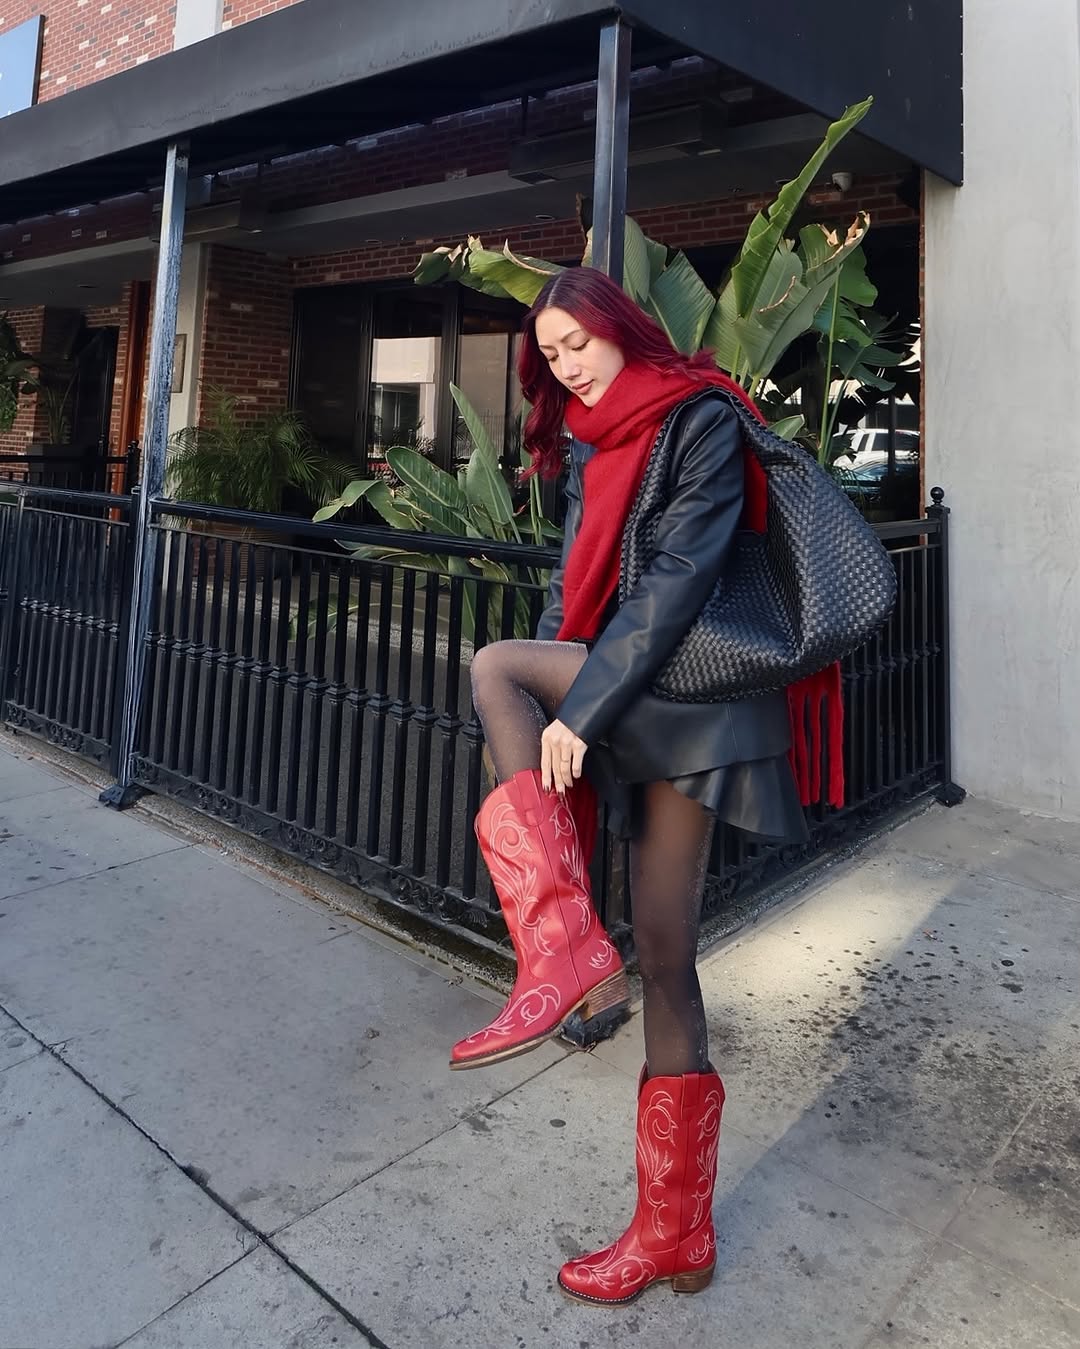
[[671, 133]]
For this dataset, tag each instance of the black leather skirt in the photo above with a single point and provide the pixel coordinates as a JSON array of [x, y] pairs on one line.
[[729, 757]]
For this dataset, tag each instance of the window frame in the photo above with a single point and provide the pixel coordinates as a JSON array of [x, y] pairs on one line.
[[364, 295]]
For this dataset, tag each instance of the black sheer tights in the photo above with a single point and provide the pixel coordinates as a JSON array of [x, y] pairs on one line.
[[517, 688], [669, 856]]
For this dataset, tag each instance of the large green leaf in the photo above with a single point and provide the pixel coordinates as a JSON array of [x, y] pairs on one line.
[[766, 336], [787, 428], [485, 485], [855, 286], [492, 571], [519, 279], [658, 257], [544, 269], [395, 508], [783, 274], [637, 272], [848, 327], [740, 344], [721, 335], [864, 364], [436, 266], [400, 557], [682, 304], [643, 260], [434, 491], [766, 230], [768, 332], [821, 246], [506, 275], [349, 497]]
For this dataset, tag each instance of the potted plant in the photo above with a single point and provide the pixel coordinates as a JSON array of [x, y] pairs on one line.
[[248, 464]]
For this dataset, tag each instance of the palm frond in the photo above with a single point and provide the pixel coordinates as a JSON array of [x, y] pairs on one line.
[[233, 459]]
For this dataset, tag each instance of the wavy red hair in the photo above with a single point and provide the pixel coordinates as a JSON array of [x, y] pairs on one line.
[[604, 310]]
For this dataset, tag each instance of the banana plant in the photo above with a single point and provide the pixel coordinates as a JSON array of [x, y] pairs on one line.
[[475, 505], [858, 358], [773, 295]]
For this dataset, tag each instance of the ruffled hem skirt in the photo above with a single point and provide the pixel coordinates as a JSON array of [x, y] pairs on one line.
[[757, 796]]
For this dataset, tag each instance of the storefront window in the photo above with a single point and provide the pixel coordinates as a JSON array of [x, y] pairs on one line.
[[406, 367], [374, 365], [486, 375]]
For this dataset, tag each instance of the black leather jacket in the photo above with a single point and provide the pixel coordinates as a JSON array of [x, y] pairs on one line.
[[610, 702]]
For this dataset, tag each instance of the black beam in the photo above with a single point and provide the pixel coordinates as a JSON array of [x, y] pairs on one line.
[[612, 140]]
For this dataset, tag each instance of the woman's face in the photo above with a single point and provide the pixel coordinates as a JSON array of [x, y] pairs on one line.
[[587, 365]]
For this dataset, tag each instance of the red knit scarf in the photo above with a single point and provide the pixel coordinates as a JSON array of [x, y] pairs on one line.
[[623, 428]]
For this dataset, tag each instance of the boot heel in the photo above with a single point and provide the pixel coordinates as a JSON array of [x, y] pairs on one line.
[[614, 991], [696, 1282]]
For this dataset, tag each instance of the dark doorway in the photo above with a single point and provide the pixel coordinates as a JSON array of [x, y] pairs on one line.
[[92, 395]]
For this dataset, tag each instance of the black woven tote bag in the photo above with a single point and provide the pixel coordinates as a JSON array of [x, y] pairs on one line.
[[812, 588]]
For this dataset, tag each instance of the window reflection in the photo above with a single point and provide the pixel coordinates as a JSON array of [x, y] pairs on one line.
[[487, 364], [405, 368]]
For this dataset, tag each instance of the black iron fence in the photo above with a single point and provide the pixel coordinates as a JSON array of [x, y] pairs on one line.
[[64, 591], [320, 701]]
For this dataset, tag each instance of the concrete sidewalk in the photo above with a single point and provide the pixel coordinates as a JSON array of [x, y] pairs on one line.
[[226, 1117]]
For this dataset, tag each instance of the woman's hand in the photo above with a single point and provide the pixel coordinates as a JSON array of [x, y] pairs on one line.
[[562, 754]]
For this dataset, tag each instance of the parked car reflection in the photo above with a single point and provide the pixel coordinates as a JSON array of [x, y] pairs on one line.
[[866, 478]]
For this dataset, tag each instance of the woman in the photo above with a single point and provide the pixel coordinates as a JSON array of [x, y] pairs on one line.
[[577, 701]]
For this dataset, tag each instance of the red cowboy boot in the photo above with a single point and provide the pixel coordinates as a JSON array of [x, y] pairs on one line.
[[566, 963], [671, 1235]]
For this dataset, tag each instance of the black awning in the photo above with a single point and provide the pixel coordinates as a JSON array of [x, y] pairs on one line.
[[326, 71], [907, 53]]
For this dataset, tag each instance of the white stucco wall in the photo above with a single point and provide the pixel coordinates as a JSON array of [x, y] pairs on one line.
[[1002, 393], [195, 20]]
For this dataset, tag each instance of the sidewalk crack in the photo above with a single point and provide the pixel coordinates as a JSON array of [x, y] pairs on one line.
[[198, 1177]]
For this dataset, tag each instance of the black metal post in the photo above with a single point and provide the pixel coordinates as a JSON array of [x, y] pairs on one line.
[[155, 443], [10, 617], [123, 632], [950, 793], [612, 141]]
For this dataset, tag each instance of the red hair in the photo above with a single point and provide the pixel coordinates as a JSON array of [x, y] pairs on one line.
[[604, 310]]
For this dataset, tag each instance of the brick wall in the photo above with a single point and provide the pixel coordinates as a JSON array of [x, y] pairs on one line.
[[247, 331], [86, 40], [235, 12], [694, 225], [86, 227]]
